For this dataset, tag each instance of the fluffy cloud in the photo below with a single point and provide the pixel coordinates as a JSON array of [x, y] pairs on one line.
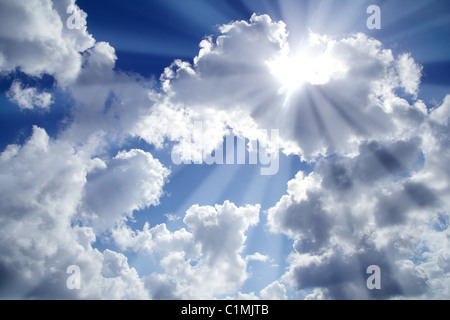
[[28, 98], [201, 262], [42, 187], [35, 39], [130, 182], [115, 267], [107, 103], [327, 114], [301, 214], [233, 62], [53, 184], [344, 276], [409, 74], [156, 239], [274, 291], [383, 206], [112, 105]]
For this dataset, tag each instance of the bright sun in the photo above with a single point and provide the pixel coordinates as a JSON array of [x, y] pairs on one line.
[[303, 68], [291, 72]]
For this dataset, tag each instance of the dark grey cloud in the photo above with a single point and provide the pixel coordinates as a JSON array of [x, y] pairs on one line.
[[393, 208], [344, 276], [376, 161], [310, 222]]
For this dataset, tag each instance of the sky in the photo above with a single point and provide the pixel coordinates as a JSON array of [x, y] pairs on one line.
[[271, 149]]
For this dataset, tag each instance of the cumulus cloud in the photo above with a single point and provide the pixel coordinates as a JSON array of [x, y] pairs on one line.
[[409, 73], [54, 184], [28, 98], [232, 62], [380, 207], [35, 39], [42, 186], [202, 262], [327, 114], [274, 291], [301, 214], [156, 239], [131, 181], [257, 257], [344, 276], [41, 41], [115, 267]]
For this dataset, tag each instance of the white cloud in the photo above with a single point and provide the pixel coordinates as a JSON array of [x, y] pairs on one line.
[[42, 185], [410, 74], [131, 181], [244, 296], [156, 240], [115, 266], [42, 171], [28, 98], [326, 115], [55, 184], [274, 291], [234, 62], [35, 39], [172, 217], [112, 105], [441, 114], [203, 261], [257, 257]]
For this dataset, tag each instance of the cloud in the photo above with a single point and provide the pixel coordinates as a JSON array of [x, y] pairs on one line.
[[156, 239], [409, 73], [131, 181], [344, 276], [301, 214], [274, 291], [54, 184], [172, 217], [220, 231], [323, 116], [28, 98], [110, 104], [203, 261], [257, 257], [42, 186], [384, 206], [233, 62], [39, 41], [115, 266], [393, 207]]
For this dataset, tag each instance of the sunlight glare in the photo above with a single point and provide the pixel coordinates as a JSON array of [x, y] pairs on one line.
[[305, 67]]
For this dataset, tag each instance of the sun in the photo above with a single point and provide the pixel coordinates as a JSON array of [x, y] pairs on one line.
[[292, 72]]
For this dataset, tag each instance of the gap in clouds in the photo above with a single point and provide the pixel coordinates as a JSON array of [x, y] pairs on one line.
[[207, 185], [210, 184], [16, 124]]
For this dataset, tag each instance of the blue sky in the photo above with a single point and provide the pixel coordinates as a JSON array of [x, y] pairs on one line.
[[90, 117]]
